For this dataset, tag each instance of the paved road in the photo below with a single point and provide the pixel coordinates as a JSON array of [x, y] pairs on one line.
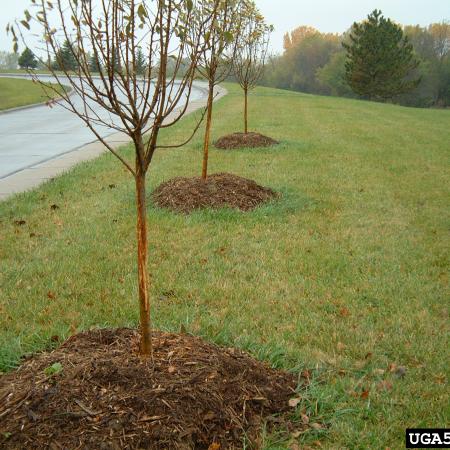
[[31, 136]]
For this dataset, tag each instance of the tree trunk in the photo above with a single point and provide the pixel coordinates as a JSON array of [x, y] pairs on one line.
[[207, 131], [246, 110], [142, 252]]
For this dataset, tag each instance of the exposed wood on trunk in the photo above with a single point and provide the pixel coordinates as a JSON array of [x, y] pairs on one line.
[[207, 131], [142, 254], [246, 110]]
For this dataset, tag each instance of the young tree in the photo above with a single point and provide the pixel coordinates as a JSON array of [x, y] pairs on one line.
[[139, 106], [251, 51], [216, 61], [141, 63], [27, 60], [380, 59]]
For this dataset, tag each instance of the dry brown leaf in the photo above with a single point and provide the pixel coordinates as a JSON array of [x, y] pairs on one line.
[[305, 419], [293, 402], [340, 346], [214, 446], [392, 367], [384, 385], [209, 416], [365, 394], [171, 369]]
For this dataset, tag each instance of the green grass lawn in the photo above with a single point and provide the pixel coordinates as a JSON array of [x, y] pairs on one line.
[[17, 92], [346, 275]]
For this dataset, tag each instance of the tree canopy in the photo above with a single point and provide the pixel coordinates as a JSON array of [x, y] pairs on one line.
[[380, 59], [27, 60]]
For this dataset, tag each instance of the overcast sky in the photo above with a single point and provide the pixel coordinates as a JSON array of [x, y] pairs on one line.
[[285, 15]]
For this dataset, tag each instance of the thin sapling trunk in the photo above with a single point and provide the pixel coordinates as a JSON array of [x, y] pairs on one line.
[[142, 264], [208, 130]]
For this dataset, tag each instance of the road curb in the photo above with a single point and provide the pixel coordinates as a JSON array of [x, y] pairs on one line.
[[32, 176], [33, 105]]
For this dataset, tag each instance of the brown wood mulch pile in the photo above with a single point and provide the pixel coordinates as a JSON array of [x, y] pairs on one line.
[[95, 392], [220, 190], [244, 140]]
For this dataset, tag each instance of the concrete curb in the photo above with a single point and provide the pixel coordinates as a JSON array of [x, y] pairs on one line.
[[33, 176], [33, 105]]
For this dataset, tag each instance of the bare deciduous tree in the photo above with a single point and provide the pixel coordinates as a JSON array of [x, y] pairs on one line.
[[216, 61], [251, 51], [108, 34]]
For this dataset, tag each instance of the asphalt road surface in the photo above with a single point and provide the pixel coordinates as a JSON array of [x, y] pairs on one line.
[[38, 134]]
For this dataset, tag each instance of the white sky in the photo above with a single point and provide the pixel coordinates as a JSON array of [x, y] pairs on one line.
[[285, 15]]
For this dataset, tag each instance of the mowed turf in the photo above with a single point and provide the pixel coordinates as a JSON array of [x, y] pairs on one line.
[[16, 92], [345, 276]]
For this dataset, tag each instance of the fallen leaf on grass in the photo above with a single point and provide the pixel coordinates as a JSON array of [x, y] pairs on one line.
[[365, 394], [340, 346], [316, 426], [392, 367], [293, 402], [305, 419], [384, 385]]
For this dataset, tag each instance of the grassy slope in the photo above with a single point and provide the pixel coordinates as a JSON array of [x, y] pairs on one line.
[[345, 275], [15, 92]]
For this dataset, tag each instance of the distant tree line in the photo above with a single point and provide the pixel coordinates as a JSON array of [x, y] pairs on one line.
[[411, 63]]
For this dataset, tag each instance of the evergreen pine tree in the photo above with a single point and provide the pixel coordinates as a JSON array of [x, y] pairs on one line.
[[27, 60], [380, 59], [65, 58], [94, 65], [140, 62]]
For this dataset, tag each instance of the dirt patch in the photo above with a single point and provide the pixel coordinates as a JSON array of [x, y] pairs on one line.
[[94, 392], [218, 191], [244, 140]]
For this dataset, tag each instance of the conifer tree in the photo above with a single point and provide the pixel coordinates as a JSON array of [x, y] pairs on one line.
[[141, 63], [65, 59], [27, 60], [94, 64], [380, 59]]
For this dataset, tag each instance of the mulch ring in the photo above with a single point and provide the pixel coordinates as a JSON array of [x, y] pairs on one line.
[[218, 191], [95, 392], [244, 140]]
